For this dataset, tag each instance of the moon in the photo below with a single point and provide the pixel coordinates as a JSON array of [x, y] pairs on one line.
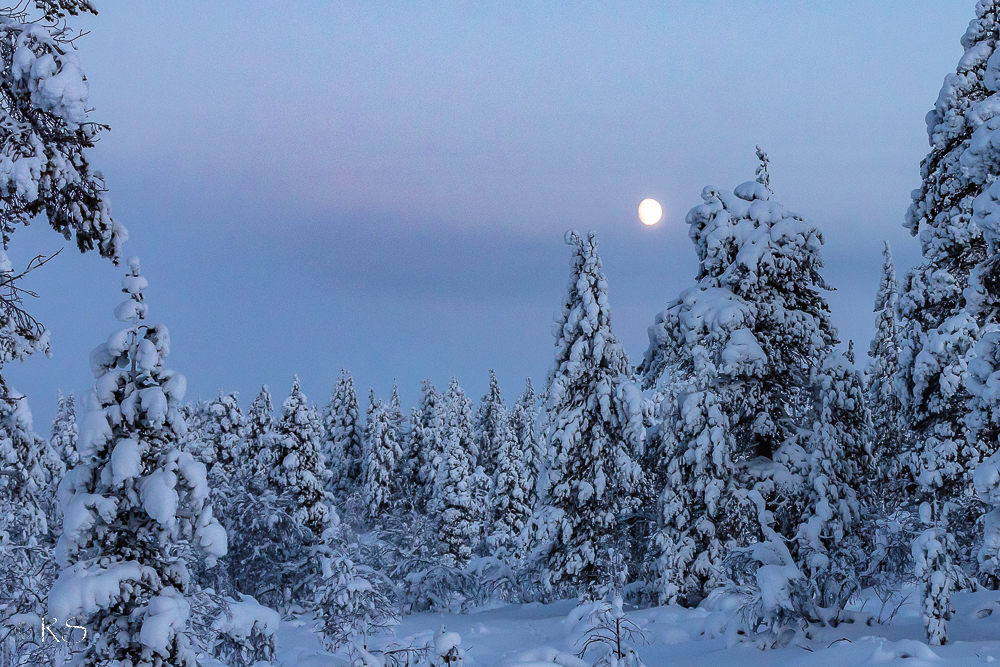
[[650, 211]]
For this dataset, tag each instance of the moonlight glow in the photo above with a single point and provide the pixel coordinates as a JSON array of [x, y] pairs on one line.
[[650, 211]]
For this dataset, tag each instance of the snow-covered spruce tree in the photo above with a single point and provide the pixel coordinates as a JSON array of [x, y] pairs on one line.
[[511, 490], [938, 329], [491, 417], [426, 445], [522, 422], [64, 430], [222, 432], [734, 356], [595, 434], [301, 472], [889, 428], [260, 457], [837, 446], [944, 304], [135, 510], [344, 439], [452, 501], [380, 459], [396, 416]]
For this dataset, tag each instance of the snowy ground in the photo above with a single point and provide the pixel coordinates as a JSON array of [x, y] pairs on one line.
[[536, 635]]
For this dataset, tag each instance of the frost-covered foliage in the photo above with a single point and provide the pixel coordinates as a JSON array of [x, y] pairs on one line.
[[300, 472], [46, 132], [733, 358], [943, 304], [426, 445], [452, 501], [343, 442], [491, 418], [65, 430], [135, 508], [381, 454], [889, 429], [595, 434]]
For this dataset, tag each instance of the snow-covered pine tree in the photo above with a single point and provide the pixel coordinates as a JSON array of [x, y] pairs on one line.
[[260, 458], [595, 434], [452, 500], [426, 445], [344, 443], [733, 356], [135, 508], [491, 417], [300, 473], [381, 455], [889, 429], [64, 430]]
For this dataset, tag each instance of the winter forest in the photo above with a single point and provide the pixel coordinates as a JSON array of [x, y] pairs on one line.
[[744, 487]]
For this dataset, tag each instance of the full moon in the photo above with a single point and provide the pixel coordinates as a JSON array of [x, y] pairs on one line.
[[650, 211]]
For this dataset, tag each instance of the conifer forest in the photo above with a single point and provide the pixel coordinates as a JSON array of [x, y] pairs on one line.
[[753, 488]]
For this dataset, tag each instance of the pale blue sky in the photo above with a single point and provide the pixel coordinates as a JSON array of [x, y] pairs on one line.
[[384, 186]]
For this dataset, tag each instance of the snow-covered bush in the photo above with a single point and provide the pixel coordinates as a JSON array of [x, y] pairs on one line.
[[353, 601], [245, 633], [779, 598]]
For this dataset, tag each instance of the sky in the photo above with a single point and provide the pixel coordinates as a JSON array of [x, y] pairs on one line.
[[384, 186]]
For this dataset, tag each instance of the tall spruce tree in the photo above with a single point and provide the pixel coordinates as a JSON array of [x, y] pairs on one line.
[[426, 446], [223, 432], [260, 457], [452, 500], [64, 430], [491, 417], [381, 455], [532, 448], [889, 429], [735, 359], [942, 308], [595, 434], [344, 437], [135, 508], [300, 472]]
